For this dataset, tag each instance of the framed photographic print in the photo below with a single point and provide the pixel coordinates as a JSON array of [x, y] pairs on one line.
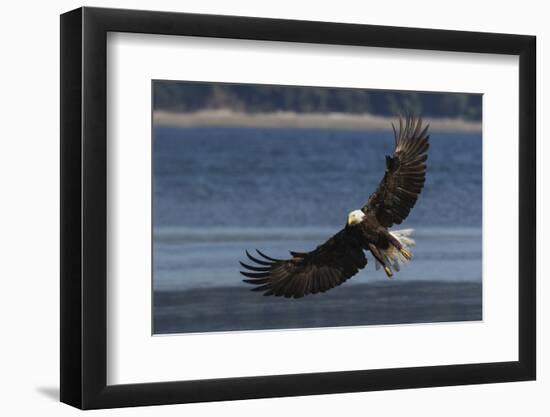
[[258, 208]]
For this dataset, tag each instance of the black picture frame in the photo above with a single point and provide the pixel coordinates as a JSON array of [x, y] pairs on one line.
[[84, 207]]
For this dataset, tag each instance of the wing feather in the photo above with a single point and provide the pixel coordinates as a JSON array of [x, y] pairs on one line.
[[325, 267], [405, 173]]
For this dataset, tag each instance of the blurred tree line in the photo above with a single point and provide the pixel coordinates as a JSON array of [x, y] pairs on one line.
[[193, 96]]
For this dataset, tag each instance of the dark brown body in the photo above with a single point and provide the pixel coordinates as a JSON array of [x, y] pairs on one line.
[[374, 237]]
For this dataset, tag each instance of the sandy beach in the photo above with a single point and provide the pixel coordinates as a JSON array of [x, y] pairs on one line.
[[229, 118]]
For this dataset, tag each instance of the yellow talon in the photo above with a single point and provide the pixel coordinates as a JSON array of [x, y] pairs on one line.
[[408, 256], [389, 272]]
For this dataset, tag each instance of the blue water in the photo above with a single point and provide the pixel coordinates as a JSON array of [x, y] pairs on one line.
[[218, 191]]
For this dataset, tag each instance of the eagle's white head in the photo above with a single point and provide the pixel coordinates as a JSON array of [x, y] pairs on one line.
[[355, 217]]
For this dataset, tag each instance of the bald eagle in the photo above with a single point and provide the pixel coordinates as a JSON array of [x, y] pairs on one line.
[[343, 255]]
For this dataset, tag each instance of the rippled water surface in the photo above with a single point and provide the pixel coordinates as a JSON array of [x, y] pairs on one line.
[[219, 191]]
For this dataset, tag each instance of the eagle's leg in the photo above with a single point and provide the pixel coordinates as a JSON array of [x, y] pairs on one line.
[[376, 253], [399, 246]]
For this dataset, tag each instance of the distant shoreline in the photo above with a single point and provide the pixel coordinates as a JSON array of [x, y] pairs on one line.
[[349, 121]]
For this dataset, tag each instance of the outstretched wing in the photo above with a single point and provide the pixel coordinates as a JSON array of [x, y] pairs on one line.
[[405, 174], [326, 267]]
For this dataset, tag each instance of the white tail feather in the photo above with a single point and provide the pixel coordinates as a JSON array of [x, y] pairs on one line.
[[393, 257]]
